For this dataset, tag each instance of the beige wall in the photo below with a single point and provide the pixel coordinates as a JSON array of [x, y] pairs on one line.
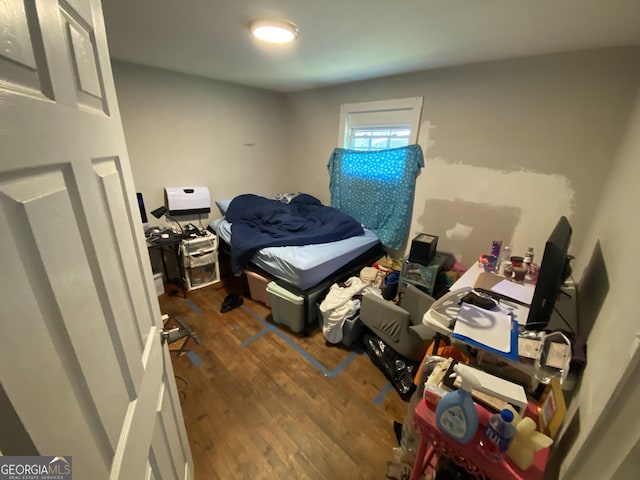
[[608, 268], [509, 146], [186, 130]]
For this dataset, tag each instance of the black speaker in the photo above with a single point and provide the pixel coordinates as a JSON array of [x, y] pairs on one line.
[[423, 248]]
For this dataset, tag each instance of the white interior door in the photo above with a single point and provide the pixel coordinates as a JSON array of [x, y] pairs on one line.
[[82, 368]]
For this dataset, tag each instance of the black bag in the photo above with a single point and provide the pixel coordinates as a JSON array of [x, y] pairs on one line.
[[398, 370]]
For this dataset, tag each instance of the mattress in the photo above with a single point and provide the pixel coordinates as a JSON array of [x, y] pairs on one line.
[[304, 266]]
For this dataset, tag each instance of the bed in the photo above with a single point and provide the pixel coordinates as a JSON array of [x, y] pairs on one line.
[[306, 270]]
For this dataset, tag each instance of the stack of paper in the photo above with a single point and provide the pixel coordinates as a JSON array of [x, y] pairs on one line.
[[499, 286], [489, 328], [504, 389]]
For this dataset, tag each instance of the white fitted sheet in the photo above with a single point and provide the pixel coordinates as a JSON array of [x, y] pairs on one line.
[[304, 266]]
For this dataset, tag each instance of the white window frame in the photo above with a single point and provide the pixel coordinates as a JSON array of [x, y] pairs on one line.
[[403, 111]]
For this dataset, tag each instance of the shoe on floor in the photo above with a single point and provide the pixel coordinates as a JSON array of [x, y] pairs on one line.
[[230, 302]]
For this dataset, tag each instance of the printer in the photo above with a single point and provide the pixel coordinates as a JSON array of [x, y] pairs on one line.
[[187, 200]]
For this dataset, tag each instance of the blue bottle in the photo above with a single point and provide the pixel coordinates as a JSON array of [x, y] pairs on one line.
[[456, 414], [498, 435]]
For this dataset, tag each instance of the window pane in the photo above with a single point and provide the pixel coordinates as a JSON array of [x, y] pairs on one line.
[[378, 137], [380, 143], [360, 133], [381, 133], [401, 132], [398, 142], [360, 143]]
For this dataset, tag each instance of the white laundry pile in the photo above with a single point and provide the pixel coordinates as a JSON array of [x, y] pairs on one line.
[[339, 305], [373, 276]]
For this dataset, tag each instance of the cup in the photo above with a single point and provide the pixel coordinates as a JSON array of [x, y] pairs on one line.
[[517, 261], [519, 273], [507, 269], [534, 270]]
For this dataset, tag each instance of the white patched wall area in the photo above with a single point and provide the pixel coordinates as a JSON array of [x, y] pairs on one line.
[[474, 205]]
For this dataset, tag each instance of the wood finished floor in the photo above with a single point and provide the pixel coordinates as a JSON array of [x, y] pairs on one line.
[[257, 408]]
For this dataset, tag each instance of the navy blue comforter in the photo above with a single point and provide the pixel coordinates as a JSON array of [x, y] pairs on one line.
[[258, 222]]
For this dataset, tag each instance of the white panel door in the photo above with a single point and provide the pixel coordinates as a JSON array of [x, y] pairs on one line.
[[81, 362]]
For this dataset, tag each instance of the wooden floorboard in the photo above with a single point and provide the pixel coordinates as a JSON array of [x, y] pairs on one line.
[[258, 408]]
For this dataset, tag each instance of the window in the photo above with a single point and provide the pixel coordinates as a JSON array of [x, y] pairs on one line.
[[371, 179], [379, 138], [380, 125]]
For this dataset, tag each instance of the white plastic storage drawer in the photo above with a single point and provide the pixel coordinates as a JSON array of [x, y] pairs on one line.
[[286, 307], [200, 259]]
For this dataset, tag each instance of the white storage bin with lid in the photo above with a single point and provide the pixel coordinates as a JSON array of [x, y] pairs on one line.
[[286, 307]]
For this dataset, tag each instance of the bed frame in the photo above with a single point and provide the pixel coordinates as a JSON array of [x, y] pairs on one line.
[[313, 295]]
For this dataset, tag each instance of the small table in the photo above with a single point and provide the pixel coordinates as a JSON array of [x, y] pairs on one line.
[[422, 275], [434, 443], [169, 245]]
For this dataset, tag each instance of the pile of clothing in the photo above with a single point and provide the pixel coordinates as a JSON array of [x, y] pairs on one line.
[[342, 303]]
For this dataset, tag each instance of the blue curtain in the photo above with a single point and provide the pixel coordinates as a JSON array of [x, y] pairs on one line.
[[376, 188]]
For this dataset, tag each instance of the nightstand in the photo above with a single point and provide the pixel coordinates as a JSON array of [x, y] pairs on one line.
[[422, 275]]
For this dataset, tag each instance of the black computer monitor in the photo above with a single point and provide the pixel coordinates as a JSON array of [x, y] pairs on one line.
[[554, 270]]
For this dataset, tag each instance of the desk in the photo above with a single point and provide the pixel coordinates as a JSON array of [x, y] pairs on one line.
[[524, 370], [469, 279], [565, 303], [166, 246], [433, 443]]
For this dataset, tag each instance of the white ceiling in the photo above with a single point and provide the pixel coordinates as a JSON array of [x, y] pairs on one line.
[[346, 40]]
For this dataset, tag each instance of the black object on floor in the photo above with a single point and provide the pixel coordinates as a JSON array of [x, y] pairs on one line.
[[397, 428], [398, 370], [230, 302]]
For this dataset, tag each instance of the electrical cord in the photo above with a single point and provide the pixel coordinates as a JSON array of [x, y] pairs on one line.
[[177, 222], [525, 327], [564, 320], [576, 300], [544, 324], [575, 289]]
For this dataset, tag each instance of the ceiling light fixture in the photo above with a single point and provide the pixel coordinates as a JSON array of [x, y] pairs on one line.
[[274, 31]]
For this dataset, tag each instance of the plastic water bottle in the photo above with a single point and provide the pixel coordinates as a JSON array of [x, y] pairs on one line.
[[505, 256], [498, 435], [529, 254]]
